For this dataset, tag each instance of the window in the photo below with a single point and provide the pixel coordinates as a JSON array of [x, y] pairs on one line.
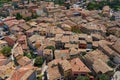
[[83, 74], [81, 38], [75, 74]]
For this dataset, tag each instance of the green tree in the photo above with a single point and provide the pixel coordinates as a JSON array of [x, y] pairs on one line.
[[32, 54], [76, 31], [39, 0], [29, 55], [51, 47], [1, 5], [18, 16], [6, 51], [82, 78], [103, 77], [60, 2], [114, 4], [111, 64], [27, 18], [40, 77], [92, 6], [34, 16], [67, 5], [38, 61]]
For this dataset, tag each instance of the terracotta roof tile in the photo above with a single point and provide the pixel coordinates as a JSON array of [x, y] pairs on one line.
[[24, 61], [23, 72], [78, 65], [62, 54], [10, 41]]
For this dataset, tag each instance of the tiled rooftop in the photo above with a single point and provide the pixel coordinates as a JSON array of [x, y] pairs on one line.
[[78, 66]]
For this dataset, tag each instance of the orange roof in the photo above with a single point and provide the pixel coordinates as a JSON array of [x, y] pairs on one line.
[[2, 56], [54, 71], [9, 40], [18, 74], [64, 51], [56, 61], [85, 12], [2, 61], [100, 66], [59, 31], [97, 54], [62, 54], [116, 45], [106, 8], [9, 18], [78, 65], [47, 51], [69, 22], [65, 64], [23, 73], [65, 39], [18, 50], [23, 38], [24, 61]]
